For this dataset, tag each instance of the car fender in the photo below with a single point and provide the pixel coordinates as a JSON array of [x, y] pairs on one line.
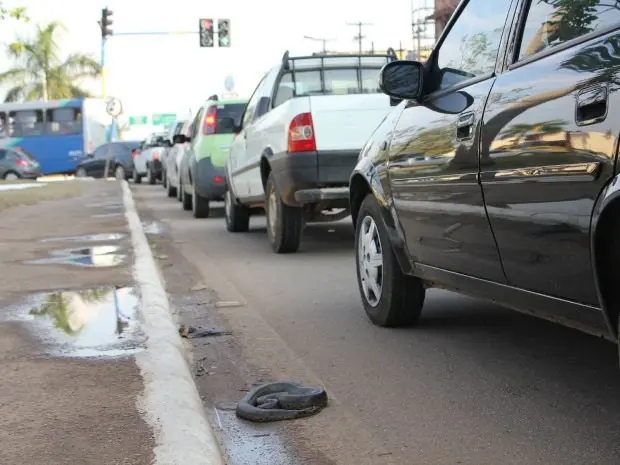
[[372, 176], [606, 202]]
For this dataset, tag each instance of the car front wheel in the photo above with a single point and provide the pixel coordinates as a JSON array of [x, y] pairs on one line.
[[390, 297]]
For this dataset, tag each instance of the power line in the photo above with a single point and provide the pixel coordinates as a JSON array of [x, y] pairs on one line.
[[359, 37]]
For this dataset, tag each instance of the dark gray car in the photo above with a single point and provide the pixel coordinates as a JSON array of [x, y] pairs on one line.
[[18, 165]]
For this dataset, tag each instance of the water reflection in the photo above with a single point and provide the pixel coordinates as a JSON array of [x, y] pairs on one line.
[[88, 238], [89, 322], [100, 256]]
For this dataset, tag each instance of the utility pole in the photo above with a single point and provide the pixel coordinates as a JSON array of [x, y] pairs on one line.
[[359, 37], [320, 39]]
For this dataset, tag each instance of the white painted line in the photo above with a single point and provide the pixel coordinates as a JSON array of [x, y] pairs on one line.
[[170, 404]]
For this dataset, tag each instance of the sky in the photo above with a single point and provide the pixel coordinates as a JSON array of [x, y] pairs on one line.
[[172, 74]]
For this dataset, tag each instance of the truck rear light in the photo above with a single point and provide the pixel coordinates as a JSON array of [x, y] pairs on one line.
[[301, 134], [155, 155], [210, 123], [218, 179]]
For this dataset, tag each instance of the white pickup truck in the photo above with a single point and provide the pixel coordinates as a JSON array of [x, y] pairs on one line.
[[147, 159], [299, 140]]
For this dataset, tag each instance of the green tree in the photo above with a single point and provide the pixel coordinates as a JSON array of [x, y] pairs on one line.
[[40, 74], [15, 13]]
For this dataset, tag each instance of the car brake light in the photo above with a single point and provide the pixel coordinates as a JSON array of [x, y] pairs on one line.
[[210, 124], [135, 153], [21, 162], [301, 134], [218, 179]]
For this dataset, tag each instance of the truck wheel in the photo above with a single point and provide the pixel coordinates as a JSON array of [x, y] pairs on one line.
[[137, 179], [237, 215], [390, 297], [186, 200], [150, 175], [284, 223], [200, 205]]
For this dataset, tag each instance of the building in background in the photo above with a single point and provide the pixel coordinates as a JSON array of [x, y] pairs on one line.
[[442, 13]]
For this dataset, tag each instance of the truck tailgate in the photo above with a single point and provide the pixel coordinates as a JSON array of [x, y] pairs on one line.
[[345, 122]]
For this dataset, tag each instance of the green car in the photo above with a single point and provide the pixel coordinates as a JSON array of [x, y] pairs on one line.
[[203, 166]]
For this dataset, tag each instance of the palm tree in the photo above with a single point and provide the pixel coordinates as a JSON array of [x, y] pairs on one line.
[[41, 74]]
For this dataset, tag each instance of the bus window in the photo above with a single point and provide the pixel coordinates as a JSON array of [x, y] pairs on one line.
[[64, 121], [26, 123], [4, 127]]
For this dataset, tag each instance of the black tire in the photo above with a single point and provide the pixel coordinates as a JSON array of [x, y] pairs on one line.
[[137, 179], [119, 173], [180, 191], [200, 205], [401, 296], [285, 234], [164, 179], [237, 215], [150, 175], [11, 176], [171, 190], [186, 200]]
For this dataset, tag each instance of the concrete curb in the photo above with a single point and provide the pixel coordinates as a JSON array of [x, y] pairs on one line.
[[170, 404]]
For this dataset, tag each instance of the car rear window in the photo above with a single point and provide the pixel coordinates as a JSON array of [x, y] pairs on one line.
[[228, 110]]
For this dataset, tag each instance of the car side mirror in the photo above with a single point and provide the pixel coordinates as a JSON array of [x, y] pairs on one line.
[[402, 79], [90, 155]]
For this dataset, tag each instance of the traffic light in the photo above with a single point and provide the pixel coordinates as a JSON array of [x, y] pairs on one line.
[[106, 22], [223, 32], [205, 29]]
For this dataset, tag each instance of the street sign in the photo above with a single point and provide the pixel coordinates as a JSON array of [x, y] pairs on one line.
[[138, 120], [163, 119], [114, 107]]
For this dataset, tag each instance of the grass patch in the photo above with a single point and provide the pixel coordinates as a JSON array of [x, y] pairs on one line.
[[34, 195]]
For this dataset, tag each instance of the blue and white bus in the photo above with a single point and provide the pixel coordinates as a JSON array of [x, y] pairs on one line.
[[58, 133]]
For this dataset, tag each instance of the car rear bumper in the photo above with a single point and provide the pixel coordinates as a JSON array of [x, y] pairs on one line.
[[311, 177], [209, 180]]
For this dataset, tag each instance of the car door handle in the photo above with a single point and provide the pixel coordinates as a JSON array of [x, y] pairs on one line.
[[464, 125], [592, 104]]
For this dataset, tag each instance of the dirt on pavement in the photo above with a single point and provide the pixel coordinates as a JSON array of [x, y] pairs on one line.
[[63, 410]]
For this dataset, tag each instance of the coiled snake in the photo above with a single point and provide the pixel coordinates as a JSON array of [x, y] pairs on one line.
[[283, 400]]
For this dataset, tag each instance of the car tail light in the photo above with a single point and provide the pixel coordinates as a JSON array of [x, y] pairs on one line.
[[21, 162], [301, 134], [210, 123], [218, 179], [135, 153], [155, 155]]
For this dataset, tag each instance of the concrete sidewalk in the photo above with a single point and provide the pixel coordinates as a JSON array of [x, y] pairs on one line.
[[80, 337]]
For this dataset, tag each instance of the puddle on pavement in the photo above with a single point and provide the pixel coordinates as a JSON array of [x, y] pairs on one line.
[[99, 256], [258, 444], [88, 238], [86, 323], [153, 228]]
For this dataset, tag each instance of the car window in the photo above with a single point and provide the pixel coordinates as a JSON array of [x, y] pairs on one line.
[[550, 23], [101, 152], [470, 47], [251, 106], [2, 154]]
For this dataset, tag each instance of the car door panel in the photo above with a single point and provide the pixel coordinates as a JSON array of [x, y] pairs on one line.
[[434, 177], [434, 157], [549, 137]]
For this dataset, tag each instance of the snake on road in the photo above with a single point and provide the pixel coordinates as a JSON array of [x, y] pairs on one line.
[[283, 400]]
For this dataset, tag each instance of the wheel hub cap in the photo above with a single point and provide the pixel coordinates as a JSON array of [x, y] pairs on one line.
[[370, 261]]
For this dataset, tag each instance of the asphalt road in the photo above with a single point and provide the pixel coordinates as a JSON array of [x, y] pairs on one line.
[[472, 384]]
